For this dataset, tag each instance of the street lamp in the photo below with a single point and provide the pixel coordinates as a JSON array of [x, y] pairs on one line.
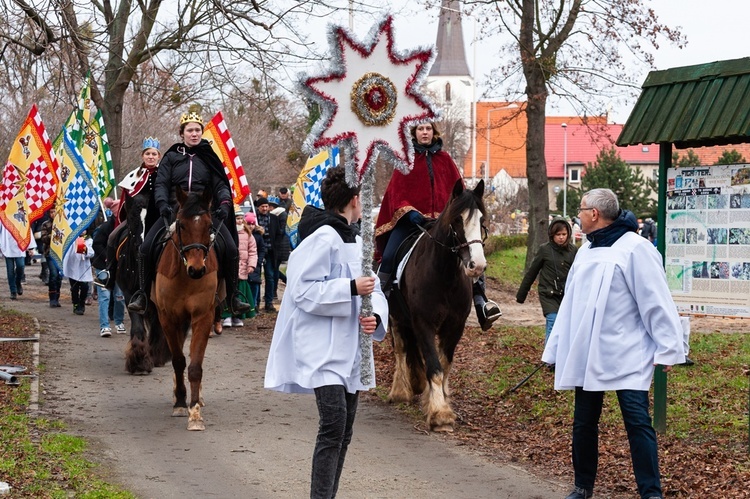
[[565, 170]]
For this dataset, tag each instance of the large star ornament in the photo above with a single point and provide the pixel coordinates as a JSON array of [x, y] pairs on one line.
[[370, 98]]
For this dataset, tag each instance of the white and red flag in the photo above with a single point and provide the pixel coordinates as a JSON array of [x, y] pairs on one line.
[[29, 186], [217, 134]]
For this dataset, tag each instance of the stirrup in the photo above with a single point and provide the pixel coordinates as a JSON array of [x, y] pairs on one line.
[[135, 304], [491, 311], [238, 307], [102, 278]]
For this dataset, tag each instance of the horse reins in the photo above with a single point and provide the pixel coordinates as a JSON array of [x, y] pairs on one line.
[[182, 249], [453, 249]]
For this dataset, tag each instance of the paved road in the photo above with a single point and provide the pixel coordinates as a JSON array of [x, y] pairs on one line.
[[257, 443]]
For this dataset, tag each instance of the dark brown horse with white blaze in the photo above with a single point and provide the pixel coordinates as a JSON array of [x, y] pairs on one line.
[[185, 297], [436, 287]]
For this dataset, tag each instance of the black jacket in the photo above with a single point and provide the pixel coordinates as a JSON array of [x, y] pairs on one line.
[[552, 264], [99, 243], [206, 172]]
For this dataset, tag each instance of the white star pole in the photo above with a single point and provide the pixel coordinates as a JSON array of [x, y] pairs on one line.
[[369, 98]]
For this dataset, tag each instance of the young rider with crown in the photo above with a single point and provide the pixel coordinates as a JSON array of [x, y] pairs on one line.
[[194, 166]]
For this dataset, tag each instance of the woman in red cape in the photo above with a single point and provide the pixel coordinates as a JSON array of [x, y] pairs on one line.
[[410, 199]]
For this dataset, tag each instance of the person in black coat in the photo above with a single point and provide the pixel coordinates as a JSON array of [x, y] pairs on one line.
[[272, 240], [194, 166]]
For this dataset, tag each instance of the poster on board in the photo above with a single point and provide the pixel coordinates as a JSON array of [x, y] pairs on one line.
[[708, 239]]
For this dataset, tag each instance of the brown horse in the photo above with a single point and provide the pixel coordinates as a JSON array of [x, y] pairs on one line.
[[430, 306], [185, 297]]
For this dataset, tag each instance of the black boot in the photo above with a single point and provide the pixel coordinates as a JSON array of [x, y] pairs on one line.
[[236, 306], [487, 310], [139, 301]]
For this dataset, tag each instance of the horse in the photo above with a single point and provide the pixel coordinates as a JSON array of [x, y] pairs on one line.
[[430, 305], [186, 299], [147, 347]]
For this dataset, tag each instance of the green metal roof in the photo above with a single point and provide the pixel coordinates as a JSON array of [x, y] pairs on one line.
[[693, 106]]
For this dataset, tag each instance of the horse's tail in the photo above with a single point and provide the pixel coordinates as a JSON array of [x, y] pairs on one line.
[[157, 342]]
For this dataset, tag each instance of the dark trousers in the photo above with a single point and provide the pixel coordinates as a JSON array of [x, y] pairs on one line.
[[337, 410], [269, 274], [16, 272], [634, 405], [79, 290], [55, 279]]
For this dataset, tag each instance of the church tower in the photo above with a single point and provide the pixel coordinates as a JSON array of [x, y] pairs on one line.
[[450, 81]]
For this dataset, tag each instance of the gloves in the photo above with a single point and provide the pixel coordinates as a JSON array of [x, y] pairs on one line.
[[222, 213], [415, 217], [166, 214]]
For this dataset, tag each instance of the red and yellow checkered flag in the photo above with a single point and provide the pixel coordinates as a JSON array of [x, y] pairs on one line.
[[30, 180]]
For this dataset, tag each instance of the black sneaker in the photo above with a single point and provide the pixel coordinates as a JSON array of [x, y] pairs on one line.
[[579, 493], [19, 289]]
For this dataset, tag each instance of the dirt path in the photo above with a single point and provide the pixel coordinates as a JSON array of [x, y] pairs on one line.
[[257, 443]]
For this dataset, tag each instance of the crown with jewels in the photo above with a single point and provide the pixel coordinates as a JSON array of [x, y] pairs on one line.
[[191, 117], [150, 143]]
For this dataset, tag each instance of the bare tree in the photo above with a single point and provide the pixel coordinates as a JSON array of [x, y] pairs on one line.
[[210, 46], [584, 51]]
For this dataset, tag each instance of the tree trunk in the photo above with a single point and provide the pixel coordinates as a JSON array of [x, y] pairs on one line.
[[536, 166], [111, 108]]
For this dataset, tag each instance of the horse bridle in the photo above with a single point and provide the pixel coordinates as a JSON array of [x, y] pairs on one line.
[[182, 249], [454, 235]]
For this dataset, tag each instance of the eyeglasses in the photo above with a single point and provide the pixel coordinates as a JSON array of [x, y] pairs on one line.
[[581, 208]]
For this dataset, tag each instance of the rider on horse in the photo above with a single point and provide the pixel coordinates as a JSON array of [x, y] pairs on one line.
[[410, 199], [195, 167]]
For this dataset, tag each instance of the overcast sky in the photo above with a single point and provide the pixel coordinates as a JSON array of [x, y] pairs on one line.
[[715, 31]]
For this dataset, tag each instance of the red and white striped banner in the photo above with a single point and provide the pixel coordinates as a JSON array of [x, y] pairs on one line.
[[217, 134]]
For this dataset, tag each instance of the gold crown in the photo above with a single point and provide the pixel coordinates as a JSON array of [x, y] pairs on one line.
[[191, 117]]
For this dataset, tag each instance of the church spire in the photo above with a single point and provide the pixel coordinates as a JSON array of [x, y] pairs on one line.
[[451, 56]]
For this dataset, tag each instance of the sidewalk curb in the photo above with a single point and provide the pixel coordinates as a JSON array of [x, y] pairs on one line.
[[34, 381]]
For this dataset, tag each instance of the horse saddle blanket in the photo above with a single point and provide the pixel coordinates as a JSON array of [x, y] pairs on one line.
[[409, 244]]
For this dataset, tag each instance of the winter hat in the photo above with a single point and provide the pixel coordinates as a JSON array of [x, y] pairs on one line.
[[261, 201], [250, 218], [274, 201]]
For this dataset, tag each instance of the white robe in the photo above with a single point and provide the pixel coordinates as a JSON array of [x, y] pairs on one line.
[[316, 338], [616, 321], [77, 266]]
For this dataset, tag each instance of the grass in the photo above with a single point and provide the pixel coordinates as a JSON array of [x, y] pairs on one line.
[[39, 459], [506, 265]]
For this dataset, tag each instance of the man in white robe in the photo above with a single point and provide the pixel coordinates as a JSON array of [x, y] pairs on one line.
[[616, 322]]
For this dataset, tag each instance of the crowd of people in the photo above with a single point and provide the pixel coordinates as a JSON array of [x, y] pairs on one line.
[[602, 302]]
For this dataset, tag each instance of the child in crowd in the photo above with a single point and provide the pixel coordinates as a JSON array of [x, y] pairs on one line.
[[315, 345], [248, 255], [254, 278], [77, 267]]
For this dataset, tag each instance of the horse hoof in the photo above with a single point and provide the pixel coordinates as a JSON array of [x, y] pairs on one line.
[[443, 428], [179, 412], [196, 426]]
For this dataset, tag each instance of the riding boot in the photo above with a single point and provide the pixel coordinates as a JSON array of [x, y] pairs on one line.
[[385, 282], [487, 310], [236, 306], [139, 301]]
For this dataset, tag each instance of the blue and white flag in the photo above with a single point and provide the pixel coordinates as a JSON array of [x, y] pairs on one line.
[[307, 188], [77, 203]]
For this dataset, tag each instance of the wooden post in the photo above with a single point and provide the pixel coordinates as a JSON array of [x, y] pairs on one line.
[[660, 377]]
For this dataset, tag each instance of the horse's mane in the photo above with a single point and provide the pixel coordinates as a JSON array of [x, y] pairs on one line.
[[194, 205], [465, 201]]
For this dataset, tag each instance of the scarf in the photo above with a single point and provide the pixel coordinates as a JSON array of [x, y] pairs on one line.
[[606, 237]]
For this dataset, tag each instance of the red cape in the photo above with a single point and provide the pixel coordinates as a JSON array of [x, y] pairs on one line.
[[414, 192]]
